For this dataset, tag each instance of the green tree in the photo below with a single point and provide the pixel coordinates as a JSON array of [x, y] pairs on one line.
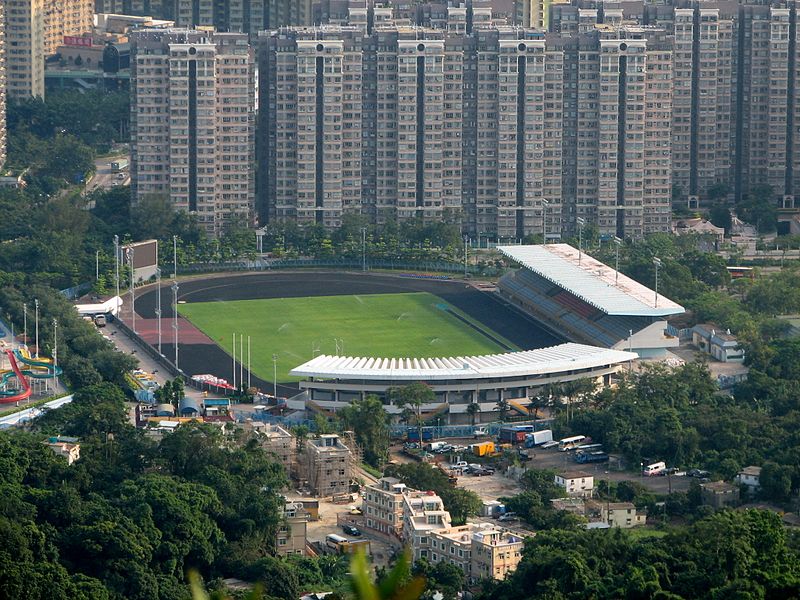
[[461, 504], [368, 419], [413, 397], [502, 407], [473, 408]]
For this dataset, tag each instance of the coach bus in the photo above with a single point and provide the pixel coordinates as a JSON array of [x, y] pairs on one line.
[[571, 443], [741, 272]]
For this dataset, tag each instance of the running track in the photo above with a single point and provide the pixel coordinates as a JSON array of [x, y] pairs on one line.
[[199, 354]]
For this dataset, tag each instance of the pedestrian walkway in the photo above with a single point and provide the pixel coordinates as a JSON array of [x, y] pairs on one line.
[[127, 346]]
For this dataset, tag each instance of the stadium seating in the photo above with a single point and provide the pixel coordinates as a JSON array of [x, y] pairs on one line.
[[555, 306]]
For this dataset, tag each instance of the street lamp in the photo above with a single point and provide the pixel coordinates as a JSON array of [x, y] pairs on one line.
[[175, 320], [25, 322], [130, 253], [158, 306], [657, 263], [544, 220], [36, 302], [275, 375], [466, 241], [174, 256], [116, 268], [55, 352], [363, 248], [580, 222], [618, 244]]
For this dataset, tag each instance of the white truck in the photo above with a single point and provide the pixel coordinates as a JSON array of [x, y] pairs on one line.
[[537, 438], [434, 446]]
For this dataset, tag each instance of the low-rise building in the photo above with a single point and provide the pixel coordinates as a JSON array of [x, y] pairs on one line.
[[292, 532], [721, 345], [383, 506], [701, 227], [621, 514], [480, 550], [276, 440], [327, 465], [576, 483], [750, 476], [68, 447], [495, 553], [719, 494], [423, 512]]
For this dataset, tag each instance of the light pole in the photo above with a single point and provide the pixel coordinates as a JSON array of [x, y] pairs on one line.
[[158, 306], [580, 222], [363, 248], [233, 364], [25, 322], [241, 360], [116, 268], [97, 265], [174, 256], [657, 263], [133, 293], [55, 351], [275, 375], [617, 243], [260, 240], [36, 302], [544, 220], [248, 362], [175, 320], [466, 241]]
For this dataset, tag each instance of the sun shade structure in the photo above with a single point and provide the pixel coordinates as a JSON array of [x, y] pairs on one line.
[[544, 361], [590, 280]]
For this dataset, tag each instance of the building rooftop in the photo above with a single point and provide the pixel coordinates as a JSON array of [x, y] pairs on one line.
[[574, 475], [754, 471], [590, 280], [556, 359], [718, 486]]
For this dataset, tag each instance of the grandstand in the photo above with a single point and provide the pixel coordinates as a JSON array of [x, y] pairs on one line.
[[587, 300], [332, 382]]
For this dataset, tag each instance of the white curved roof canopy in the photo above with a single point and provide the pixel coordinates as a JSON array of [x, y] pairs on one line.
[[593, 282], [556, 359]]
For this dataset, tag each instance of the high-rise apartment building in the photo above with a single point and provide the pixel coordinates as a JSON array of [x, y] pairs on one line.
[[734, 104], [243, 16], [66, 17], [511, 130], [3, 140], [192, 123], [25, 43], [34, 30]]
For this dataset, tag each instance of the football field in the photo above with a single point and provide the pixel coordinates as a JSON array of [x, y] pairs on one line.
[[418, 325]]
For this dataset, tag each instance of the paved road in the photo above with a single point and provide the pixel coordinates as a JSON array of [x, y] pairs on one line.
[[124, 344], [104, 177]]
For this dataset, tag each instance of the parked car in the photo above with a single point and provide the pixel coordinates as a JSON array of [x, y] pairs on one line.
[[461, 464], [552, 444], [480, 432], [457, 448], [699, 474], [351, 530], [509, 516]]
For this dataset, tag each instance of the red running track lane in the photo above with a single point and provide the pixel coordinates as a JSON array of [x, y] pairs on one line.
[[188, 333], [26, 387]]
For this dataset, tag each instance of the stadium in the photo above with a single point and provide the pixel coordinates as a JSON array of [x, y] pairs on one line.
[[559, 316]]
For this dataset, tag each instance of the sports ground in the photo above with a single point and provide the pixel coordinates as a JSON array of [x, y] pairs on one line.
[[416, 324], [206, 351]]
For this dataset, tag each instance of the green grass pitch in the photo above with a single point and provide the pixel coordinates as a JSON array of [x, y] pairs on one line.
[[381, 325]]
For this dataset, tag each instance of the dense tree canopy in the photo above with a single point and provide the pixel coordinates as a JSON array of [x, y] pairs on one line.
[[730, 554]]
